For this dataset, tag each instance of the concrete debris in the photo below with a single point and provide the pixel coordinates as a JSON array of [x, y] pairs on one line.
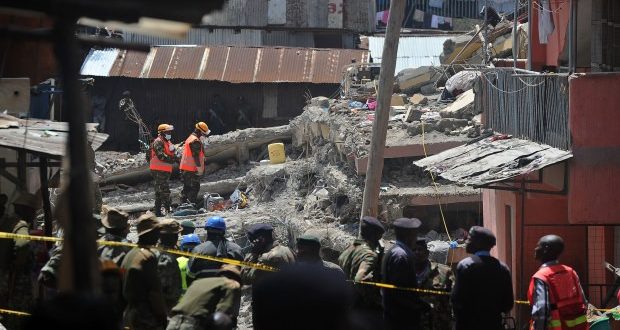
[[462, 107], [428, 89], [411, 80], [418, 99], [397, 100]]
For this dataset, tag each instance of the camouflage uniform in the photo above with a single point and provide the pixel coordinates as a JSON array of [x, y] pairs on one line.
[[114, 253], [16, 266], [170, 276], [191, 180], [204, 297], [161, 178], [361, 263], [437, 277], [276, 255], [142, 290]]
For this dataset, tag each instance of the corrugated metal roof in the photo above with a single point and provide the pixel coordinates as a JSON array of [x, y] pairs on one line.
[[225, 63], [42, 136], [413, 52], [492, 160]]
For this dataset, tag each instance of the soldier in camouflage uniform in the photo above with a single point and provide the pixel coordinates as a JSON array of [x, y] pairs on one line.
[[434, 276], [361, 261], [213, 292], [17, 259], [192, 164], [116, 230], [169, 272], [265, 250], [146, 309], [161, 160], [309, 252]]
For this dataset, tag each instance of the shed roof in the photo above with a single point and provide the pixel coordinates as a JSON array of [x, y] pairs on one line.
[[42, 136], [492, 160], [225, 63]]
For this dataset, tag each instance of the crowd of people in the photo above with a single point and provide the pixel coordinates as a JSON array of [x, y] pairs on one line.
[[149, 286]]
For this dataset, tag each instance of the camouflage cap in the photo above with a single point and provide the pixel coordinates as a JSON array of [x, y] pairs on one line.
[[169, 226], [146, 223], [27, 199], [115, 219]]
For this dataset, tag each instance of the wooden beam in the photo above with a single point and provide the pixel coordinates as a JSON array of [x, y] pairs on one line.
[[382, 113]]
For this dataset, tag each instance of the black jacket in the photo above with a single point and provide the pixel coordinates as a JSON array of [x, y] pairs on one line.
[[483, 290]]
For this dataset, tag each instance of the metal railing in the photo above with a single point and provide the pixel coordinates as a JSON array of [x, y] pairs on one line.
[[529, 106], [449, 8]]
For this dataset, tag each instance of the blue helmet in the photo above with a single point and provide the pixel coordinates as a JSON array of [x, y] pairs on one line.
[[189, 239], [216, 222]]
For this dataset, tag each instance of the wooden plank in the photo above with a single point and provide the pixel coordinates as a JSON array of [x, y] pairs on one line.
[[15, 95]]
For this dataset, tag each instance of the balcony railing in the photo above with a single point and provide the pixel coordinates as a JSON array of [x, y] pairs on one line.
[[448, 8], [529, 106]]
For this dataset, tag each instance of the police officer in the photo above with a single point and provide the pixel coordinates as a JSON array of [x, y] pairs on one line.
[[188, 227], [402, 309], [116, 230], [216, 239], [167, 264], [146, 308], [361, 261], [264, 250], [193, 163], [161, 162], [555, 294], [433, 276], [17, 259], [211, 293], [483, 286], [309, 252], [188, 243]]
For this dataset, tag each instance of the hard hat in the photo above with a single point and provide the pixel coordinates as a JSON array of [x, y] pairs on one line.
[[216, 222], [165, 128], [189, 239], [202, 126]]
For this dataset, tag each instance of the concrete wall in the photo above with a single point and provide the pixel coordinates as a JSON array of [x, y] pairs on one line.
[[549, 53], [595, 168]]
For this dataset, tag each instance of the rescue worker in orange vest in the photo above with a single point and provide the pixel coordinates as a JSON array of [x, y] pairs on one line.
[[555, 294], [193, 163], [162, 158]]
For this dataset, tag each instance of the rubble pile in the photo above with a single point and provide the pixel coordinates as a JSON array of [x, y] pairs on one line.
[[110, 162]]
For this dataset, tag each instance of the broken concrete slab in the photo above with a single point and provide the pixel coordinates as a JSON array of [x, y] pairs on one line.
[[413, 114], [418, 99], [320, 101], [397, 100], [410, 80], [462, 107]]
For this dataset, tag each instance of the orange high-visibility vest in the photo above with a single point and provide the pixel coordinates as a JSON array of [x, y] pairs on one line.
[[187, 160], [568, 308], [158, 164]]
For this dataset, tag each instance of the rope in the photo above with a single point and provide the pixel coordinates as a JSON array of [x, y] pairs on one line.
[[443, 218]]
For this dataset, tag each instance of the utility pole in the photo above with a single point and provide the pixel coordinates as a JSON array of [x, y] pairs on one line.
[[374, 171]]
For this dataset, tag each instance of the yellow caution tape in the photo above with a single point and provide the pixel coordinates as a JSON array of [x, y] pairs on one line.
[[10, 312], [127, 244]]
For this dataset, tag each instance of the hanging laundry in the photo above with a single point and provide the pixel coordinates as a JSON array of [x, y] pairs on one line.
[[418, 16], [435, 22], [545, 21], [436, 3]]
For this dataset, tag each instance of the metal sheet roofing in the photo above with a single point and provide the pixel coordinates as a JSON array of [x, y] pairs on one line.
[[492, 160], [42, 136], [225, 63], [413, 52]]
